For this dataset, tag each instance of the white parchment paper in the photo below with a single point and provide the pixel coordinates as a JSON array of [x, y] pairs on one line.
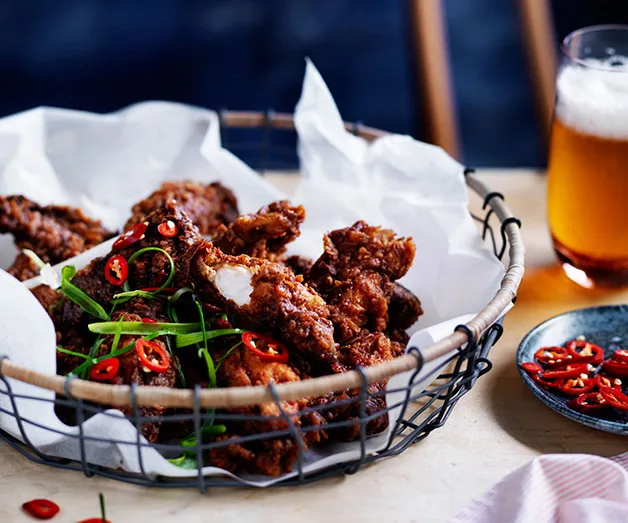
[[105, 163]]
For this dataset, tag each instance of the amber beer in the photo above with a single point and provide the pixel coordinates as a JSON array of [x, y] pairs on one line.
[[588, 174]]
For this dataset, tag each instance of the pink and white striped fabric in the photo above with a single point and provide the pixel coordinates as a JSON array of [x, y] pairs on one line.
[[556, 488]]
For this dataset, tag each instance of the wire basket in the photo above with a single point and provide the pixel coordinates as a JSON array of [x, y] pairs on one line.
[[419, 411]]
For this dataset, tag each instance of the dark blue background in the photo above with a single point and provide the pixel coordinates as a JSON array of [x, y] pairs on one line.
[[101, 55]]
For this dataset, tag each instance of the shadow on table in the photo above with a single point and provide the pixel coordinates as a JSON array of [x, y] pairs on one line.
[[530, 422]]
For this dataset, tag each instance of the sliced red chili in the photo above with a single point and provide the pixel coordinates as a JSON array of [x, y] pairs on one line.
[[607, 381], [576, 386], [211, 309], [116, 270], [148, 320], [168, 229], [615, 368], [589, 402], [267, 348], [585, 352], [105, 370], [133, 235], [615, 398], [620, 355], [551, 354], [41, 508], [221, 323], [152, 356], [548, 384], [565, 372]]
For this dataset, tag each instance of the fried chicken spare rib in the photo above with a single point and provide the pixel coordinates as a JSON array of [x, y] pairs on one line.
[[355, 276], [54, 233], [264, 234], [365, 350], [266, 296], [272, 456], [208, 206]]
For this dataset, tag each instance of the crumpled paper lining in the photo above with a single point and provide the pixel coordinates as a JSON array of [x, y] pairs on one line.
[[105, 163]]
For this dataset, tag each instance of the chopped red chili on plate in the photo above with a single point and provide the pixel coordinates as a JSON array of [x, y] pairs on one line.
[[615, 398], [615, 368], [587, 403], [565, 372], [585, 352], [576, 386], [551, 354]]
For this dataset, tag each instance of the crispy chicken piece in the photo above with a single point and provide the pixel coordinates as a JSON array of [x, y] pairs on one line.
[[52, 232], [404, 309], [300, 265], [131, 369], [366, 350], [355, 276], [264, 234], [151, 269], [272, 456], [266, 297], [70, 336], [208, 206]]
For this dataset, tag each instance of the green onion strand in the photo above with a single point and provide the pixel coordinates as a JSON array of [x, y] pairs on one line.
[[116, 338], [78, 296], [141, 328], [184, 340], [72, 353]]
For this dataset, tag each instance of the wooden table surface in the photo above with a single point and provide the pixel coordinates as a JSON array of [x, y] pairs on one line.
[[495, 428]]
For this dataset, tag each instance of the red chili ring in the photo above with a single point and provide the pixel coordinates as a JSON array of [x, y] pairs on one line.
[[41, 508], [595, 358], [615, 368], [280, 352], [146, 350], [116, 270], [168, 229], [133, 235], [105, 370], [620, 355]]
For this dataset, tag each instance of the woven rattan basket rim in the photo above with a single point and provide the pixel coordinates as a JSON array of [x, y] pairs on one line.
[[121, 395]]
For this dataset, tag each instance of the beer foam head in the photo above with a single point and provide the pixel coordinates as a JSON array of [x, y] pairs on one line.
[[593, 98]]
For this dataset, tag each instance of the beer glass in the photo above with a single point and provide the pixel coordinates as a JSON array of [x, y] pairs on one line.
[[588, 161]]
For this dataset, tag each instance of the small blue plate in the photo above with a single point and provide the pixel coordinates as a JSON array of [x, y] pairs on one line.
[[605, 326]]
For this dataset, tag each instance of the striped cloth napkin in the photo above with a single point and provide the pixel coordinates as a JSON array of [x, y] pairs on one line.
[[569, 488]]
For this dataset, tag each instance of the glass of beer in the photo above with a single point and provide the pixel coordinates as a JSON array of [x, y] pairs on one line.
[[588, 161]]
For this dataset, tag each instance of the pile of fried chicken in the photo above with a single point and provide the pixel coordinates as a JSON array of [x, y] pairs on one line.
[[330, 315]]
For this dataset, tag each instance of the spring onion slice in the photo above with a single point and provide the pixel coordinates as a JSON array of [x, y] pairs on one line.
[[83, 367], [142, 328], [211, 369], [226, 354], [128, 294], [185, 340], [34, 258], [72, 353], [116, 338], [184, 462], [79, 297]]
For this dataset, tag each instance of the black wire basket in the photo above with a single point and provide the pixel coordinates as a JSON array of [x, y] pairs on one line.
[[267, 140]]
